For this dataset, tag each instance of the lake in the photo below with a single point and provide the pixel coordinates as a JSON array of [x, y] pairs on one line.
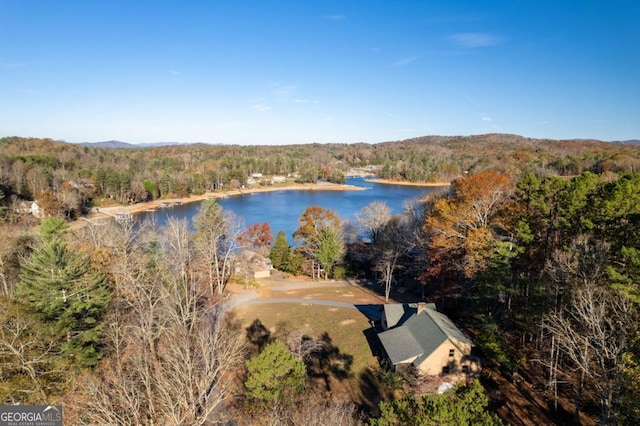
[[282, 209]]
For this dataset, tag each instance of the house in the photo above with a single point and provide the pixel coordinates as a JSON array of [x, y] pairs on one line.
[[417, 334], [278, 179], [30, 207], [252, 264]]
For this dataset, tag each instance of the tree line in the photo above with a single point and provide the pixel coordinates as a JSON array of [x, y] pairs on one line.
[[67, 179]]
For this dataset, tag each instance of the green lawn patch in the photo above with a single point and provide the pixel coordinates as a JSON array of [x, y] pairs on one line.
[[345, 327]]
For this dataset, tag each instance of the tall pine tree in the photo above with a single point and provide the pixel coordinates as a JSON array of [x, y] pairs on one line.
[[280, 251], [61, 287]]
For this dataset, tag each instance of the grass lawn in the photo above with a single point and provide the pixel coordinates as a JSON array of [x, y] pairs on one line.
[[344, 326], [347, 294]]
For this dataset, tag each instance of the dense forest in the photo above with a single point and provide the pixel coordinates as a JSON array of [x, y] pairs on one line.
[[68, 178], [535, 248]]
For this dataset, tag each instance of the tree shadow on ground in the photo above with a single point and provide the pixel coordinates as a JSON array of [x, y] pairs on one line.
[[371, 391], [258, 336], [374, 315], [326, 361]]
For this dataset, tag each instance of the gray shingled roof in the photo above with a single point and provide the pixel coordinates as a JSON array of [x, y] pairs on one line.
[[400, 345], [398, 313], [417, 334], [447, 326]]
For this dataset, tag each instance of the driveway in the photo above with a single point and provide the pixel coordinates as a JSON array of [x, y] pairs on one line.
[[279, 283]]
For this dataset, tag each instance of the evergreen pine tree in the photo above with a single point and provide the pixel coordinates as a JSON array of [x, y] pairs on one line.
[[275, 375], [61, 287], [280, 252]]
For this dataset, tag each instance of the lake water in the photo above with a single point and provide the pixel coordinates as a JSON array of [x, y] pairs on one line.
[[282, 209]]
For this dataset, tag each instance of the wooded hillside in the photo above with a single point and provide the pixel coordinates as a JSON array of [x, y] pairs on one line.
[[67, 177]]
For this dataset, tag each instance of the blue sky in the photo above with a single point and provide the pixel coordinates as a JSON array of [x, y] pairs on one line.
[[281, 72]]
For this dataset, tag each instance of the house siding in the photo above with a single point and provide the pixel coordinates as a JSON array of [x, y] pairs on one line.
[[439, 359]]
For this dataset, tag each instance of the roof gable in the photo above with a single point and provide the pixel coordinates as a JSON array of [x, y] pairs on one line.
[[447, 326], [418, 333], [400, 345], [426, 332], [398, 313]]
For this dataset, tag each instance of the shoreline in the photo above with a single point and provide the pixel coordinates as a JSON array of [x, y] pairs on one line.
[[405, 183], [97, 212]]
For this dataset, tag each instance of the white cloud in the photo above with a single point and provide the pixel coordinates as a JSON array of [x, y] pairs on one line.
[[485, 118], [474, 40], [282, 92], [405, 61], [260, 108], [334, 17], [174, 72], [305, 101]]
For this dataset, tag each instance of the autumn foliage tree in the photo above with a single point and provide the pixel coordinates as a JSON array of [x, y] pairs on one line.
[[464, 227], [257, 237], [321, 238]]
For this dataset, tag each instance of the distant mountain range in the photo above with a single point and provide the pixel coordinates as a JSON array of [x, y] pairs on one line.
[[119, 144], [630, 142]]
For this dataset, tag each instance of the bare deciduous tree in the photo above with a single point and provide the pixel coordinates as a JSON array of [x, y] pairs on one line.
[[8, 252], [168, 352], [69, 198], [593, 326], [18, 170], [315, 411], [593, 333], [303, 346], [36, 181], [217, 234], [394, 240], [372, 219], [31, 369]]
